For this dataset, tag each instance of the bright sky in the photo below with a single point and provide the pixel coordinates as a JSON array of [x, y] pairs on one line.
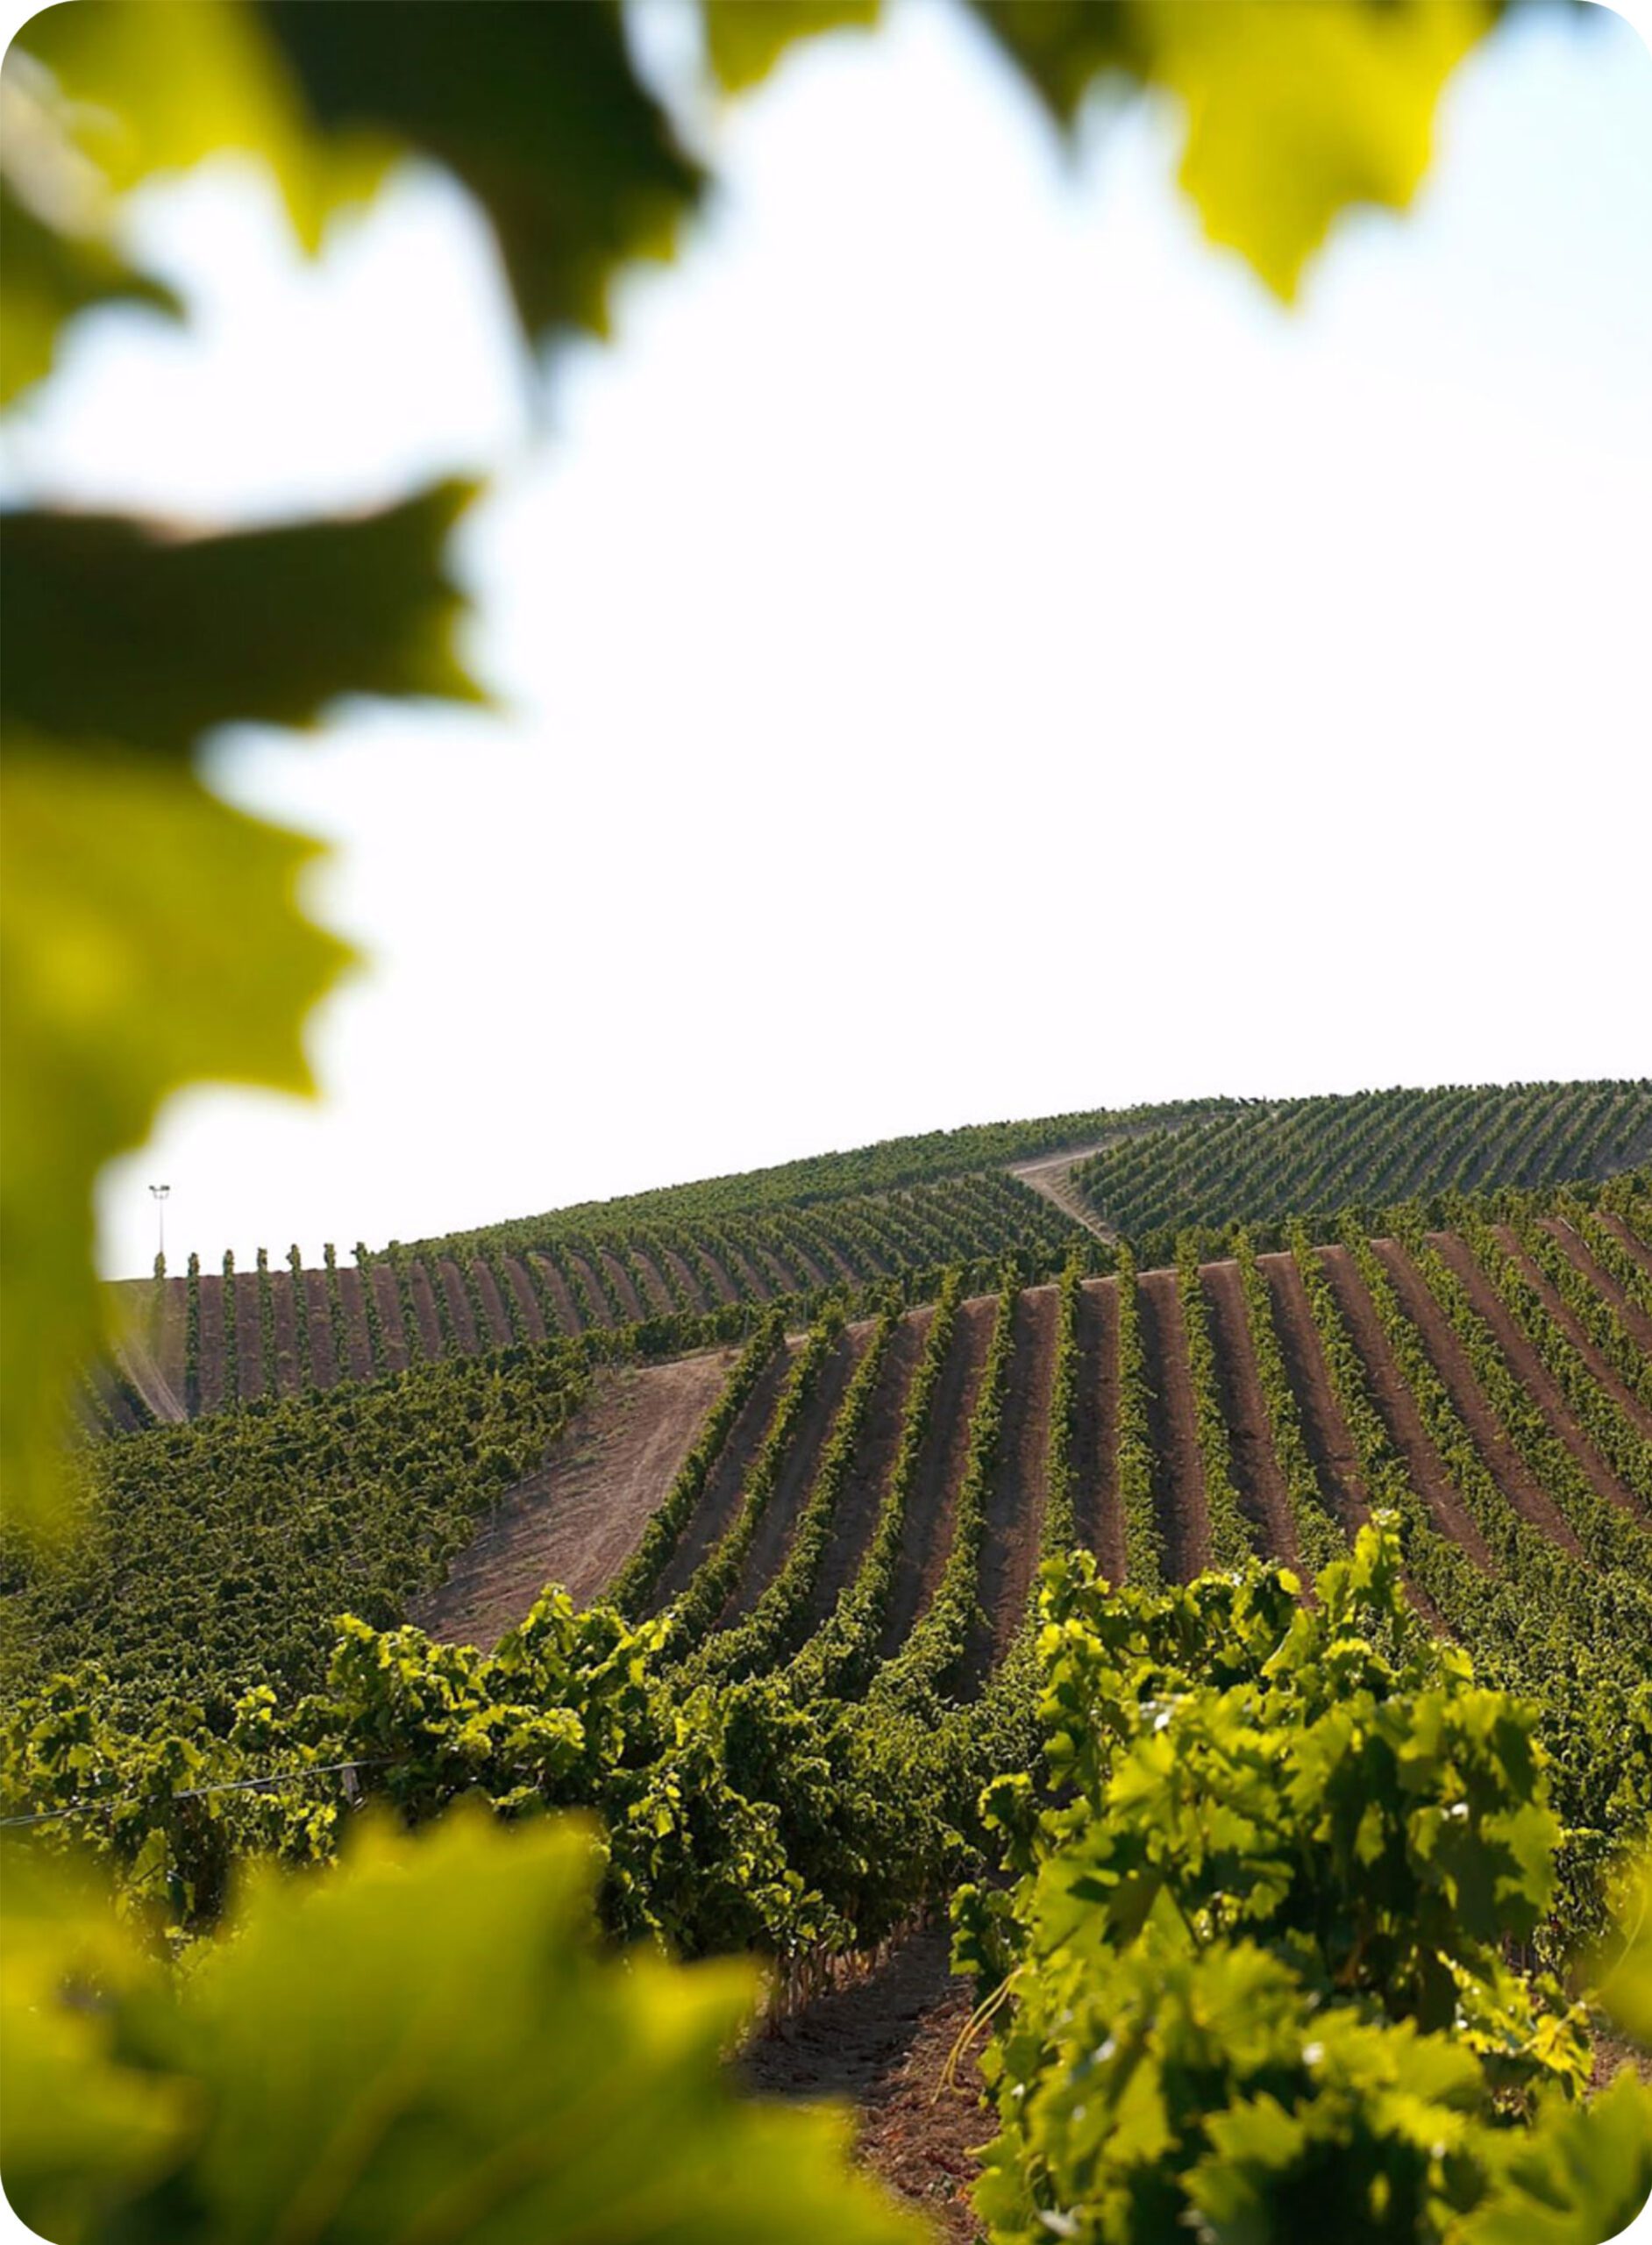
[[966, 652]]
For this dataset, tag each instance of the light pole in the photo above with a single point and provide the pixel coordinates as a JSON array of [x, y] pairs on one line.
[[159, 1192]]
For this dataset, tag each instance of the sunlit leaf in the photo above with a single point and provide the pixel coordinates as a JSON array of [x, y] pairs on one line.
[[1581, 2176], [535, 109], [1623, 1972], [116, 631], [47, 275], [745, 39], [1292, 113], [157, 89], [149, 936]]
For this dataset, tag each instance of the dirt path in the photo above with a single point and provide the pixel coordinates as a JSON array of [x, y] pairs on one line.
[[557, 1286], [873, 1462], [1263, 1496], [580, 1517], [1178, 1473], [1095, 1452], [884, 2045], [1529, 1368], [1324, 1428], [724, 1483], [528, 1309], [1015, 1500], [1051, 1175], [1632, 1243], [164, 1401], [498, 1333], [1630, 1313], [445, 1273], [927, 1533], [1395, 1400], [288, 1374], [249, 1336], [1629, 1404], [425, 1310], [798, 1469], [1450, 1359]]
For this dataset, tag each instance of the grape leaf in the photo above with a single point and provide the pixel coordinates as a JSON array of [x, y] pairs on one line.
[[118, 632], [50, 275], [536, 109], [745, 39], [1581, 2175], [1292, 114], [149, 935], [426, 2045]]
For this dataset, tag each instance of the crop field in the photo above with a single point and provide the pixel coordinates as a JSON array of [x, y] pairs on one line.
[[210, 1339], [750, 1560]]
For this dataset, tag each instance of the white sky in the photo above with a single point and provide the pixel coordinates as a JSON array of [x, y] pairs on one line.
[[968, 653]]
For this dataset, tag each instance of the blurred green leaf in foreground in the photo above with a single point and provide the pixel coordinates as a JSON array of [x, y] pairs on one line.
[[424, 2046]]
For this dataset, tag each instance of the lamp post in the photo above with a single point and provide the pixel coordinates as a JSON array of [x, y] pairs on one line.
[[159, 1192]]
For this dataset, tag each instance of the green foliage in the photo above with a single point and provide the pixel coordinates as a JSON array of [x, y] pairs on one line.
[[1253, 1965], [332, 2069]]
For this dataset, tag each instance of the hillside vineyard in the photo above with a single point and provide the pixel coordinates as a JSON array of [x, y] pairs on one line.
[[749, 1560], [908, 1209]]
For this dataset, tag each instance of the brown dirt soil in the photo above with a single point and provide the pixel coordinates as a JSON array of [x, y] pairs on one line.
[[286, 1332], [722, 1285], [323, 1367], [873, 1462], [1629, 1311], [580, 1516], [1324, 1428], [1533, 1373], [1015, 1500], [211, 1341], [790, 1493], [1635, 1245], [1263, 1496], [447, 1271], [1629, 1404], [926, 1531], [750, 1282], [1445, 1352], [499, 1334], [1178, 1473], [356, 1344], [1050, 1175], [557, 1286], [425, 1310], [135, 1357], [248, 1336], [885, 2045], [527, 1301], [621, 1291], [1095, 1450], [1394, 1401], [388, 1295], [724, 1483], [169, 1345], [596, 1285], [660, 1300]]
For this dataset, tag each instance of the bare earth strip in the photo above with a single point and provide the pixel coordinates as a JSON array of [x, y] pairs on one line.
[[580, 1516], [1630, 1313], [927, 1532], [724, 1483], [424, 1309], [1051, 1175], [353, 1348], [1632, 1243], [527, 1310], [1324, 1428], [286, 1333], [798, 1469], [1262, 1490], [873, 1462], [323, 1368], [1630, 1405], [487, 1286], [447, 1273], [1529, 1368], [568, 1315], [212, 1391], [1095, 1452], [621, 1289], [886, 2043], [1394, 1401], [249, 1340], [388, 1296], [1020, 1486], [1178, 1474], [1507, 1468]]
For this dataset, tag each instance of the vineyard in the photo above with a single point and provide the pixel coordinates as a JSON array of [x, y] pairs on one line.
[[908, 1209], [751, 1560]]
